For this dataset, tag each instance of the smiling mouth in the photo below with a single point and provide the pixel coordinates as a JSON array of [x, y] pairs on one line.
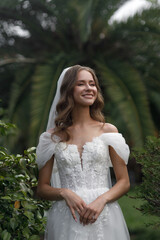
[[87, 95]]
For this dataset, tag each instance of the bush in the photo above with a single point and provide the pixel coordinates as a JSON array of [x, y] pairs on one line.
[[22, 213], [149, 189]]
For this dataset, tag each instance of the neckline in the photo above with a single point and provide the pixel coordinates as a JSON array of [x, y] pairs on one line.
[[80, 154], [73, 144]]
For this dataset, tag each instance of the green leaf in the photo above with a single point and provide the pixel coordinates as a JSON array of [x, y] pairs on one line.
[[7, 198], [13, 223], [34, 237], [39, 216], [29, 215], [29, 150], [1, 216], [24, 187], [20, 176], [28, 205], [26, 232], [2, 153], [5, 235], [22, 162]]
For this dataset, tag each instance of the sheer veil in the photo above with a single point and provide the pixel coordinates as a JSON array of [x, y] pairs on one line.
[[52, 113], [55, 180]]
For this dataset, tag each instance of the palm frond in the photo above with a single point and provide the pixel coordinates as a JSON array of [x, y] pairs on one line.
[[126, 91], [44, 82]]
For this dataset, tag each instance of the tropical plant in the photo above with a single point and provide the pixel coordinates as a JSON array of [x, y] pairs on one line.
[[149, 189], [62, 33], [143, 35], [22, 213]]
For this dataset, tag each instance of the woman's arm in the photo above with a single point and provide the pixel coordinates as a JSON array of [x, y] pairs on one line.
[[122, 186], [47, 192], [122, 179], [120, 169], [44, 190]]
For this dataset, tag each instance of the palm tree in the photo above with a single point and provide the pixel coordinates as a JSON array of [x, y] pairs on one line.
[[62, 33]]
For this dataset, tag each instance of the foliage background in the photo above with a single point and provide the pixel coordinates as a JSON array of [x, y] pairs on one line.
[[61, 33], [149, 190], [58, 34], [22, 214]]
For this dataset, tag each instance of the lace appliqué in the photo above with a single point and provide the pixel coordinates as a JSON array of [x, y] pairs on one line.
[[88, 176]]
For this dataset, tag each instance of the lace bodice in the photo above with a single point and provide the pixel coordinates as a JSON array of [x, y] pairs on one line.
[[88, 171]]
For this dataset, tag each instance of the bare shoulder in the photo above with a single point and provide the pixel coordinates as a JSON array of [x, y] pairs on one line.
[[109, 128]]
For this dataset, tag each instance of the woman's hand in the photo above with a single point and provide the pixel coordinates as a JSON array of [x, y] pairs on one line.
[[92, 211], [74, 202]]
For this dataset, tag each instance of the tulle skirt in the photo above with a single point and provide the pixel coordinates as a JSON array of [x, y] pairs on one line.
[[110, 224]]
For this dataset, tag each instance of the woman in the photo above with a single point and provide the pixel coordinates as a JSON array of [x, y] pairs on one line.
[[74, 157]]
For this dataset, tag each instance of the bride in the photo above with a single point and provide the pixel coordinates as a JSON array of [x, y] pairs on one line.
[[74, 156]]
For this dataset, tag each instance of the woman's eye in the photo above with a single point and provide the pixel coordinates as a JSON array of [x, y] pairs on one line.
[[82, 84]]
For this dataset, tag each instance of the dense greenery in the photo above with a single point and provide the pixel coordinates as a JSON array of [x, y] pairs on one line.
[[62, 33], [22, 214], [137, 222], [149, 189]]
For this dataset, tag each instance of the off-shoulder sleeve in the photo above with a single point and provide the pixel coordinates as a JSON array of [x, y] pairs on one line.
[[45, 149], [117, 141]]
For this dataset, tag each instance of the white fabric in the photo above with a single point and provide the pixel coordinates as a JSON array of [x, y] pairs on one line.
[[45, 150], [51, 124], [89, 180], [119, 145], [52, 113]]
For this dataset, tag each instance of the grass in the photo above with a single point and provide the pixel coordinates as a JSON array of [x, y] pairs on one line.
[[138, 223]]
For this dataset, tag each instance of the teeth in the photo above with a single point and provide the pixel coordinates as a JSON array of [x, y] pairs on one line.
[[88, 95]]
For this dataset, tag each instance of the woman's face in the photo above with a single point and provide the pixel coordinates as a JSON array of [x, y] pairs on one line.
[[85, 90]]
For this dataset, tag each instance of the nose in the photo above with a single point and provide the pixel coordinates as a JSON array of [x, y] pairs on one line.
[[88, 87]]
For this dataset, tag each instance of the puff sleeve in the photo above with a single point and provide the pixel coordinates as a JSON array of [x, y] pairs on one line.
[[117, 141], [45, 149]]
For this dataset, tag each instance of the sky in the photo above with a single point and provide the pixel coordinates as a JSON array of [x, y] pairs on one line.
[[128, 9]]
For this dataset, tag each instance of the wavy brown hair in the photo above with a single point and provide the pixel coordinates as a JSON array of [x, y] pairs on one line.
[[66, 103]]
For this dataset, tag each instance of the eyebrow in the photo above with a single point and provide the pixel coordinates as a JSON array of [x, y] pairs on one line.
[[81, 80]]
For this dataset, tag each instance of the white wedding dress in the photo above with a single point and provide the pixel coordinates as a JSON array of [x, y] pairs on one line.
[[88, 176]]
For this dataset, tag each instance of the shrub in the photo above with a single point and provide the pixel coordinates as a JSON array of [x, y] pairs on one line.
[[149, 189], [22, 213]]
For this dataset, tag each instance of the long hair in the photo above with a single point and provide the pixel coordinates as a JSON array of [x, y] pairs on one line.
[[66, 103]]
